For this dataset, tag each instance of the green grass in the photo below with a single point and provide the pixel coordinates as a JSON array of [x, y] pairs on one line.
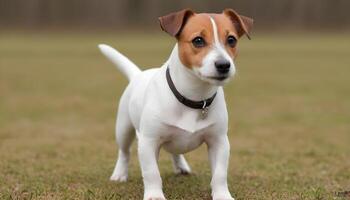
[[289, 118]]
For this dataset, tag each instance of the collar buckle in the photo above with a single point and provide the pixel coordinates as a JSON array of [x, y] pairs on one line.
[[205, 110]]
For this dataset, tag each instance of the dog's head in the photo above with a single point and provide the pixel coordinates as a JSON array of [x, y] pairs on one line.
[[207, 42]]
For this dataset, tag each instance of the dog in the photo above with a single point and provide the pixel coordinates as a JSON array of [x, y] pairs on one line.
[[180, 105]]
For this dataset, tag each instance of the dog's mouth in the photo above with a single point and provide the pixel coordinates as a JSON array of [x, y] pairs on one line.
[[215, 79], [218, 78]]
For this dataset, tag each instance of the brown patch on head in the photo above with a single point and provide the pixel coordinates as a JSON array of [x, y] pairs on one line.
[[198, 25], [186, 25], [174, 22], [226, 28], [243, 24]]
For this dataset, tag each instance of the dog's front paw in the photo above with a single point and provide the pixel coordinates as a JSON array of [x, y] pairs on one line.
[[155, 198], [222, 196], [154, 195]]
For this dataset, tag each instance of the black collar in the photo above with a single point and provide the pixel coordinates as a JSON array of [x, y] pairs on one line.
[[187, 102]]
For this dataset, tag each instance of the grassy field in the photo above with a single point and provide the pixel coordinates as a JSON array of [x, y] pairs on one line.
[[289, 118]]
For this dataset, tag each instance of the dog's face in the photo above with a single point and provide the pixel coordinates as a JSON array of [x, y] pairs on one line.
[[207, 42]]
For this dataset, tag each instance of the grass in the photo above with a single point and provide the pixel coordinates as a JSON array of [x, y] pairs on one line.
[[289, 118]]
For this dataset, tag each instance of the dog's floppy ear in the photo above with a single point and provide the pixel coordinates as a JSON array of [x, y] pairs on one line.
[[174, 22], [243, 24]]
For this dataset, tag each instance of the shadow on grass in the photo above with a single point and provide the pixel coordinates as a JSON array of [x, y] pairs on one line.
[[174, 186], [192, 186]]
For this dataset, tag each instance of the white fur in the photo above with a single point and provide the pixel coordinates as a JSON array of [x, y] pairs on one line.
[[128, 68], [149, 108]]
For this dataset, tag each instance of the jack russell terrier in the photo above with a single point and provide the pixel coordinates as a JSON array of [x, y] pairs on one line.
[[180, 105]]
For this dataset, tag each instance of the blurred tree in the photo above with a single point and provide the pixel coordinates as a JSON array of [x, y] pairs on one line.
[[121, 13]]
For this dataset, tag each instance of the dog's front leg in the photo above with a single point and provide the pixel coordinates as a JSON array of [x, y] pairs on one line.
[[148, 150], [219, 152]]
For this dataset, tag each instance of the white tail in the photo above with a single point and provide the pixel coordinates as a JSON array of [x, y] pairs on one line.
[[128, 68]]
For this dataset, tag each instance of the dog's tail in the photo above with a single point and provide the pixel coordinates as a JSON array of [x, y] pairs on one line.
[[128, 68]]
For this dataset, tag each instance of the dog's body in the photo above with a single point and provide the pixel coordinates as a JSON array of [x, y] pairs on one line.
[[149, 108]]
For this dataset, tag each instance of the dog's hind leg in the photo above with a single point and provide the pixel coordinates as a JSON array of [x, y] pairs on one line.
[[125, 134], [180, 164]]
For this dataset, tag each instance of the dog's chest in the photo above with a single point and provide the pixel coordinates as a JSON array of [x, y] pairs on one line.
[[181, 141], [185, 129]]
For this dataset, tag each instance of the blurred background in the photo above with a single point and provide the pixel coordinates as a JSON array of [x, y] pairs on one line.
[[114, 14], [289, 104]]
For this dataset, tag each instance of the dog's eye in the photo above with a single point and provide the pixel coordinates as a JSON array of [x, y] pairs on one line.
[[231, 41], [198, 42]]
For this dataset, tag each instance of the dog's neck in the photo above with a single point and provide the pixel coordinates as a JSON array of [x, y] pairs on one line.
[[186, 82]]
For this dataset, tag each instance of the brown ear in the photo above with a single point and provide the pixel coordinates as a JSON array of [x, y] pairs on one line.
[[174, 22], [244, 24]]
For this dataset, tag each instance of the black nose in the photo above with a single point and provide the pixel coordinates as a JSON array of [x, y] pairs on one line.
[[223, 66]]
